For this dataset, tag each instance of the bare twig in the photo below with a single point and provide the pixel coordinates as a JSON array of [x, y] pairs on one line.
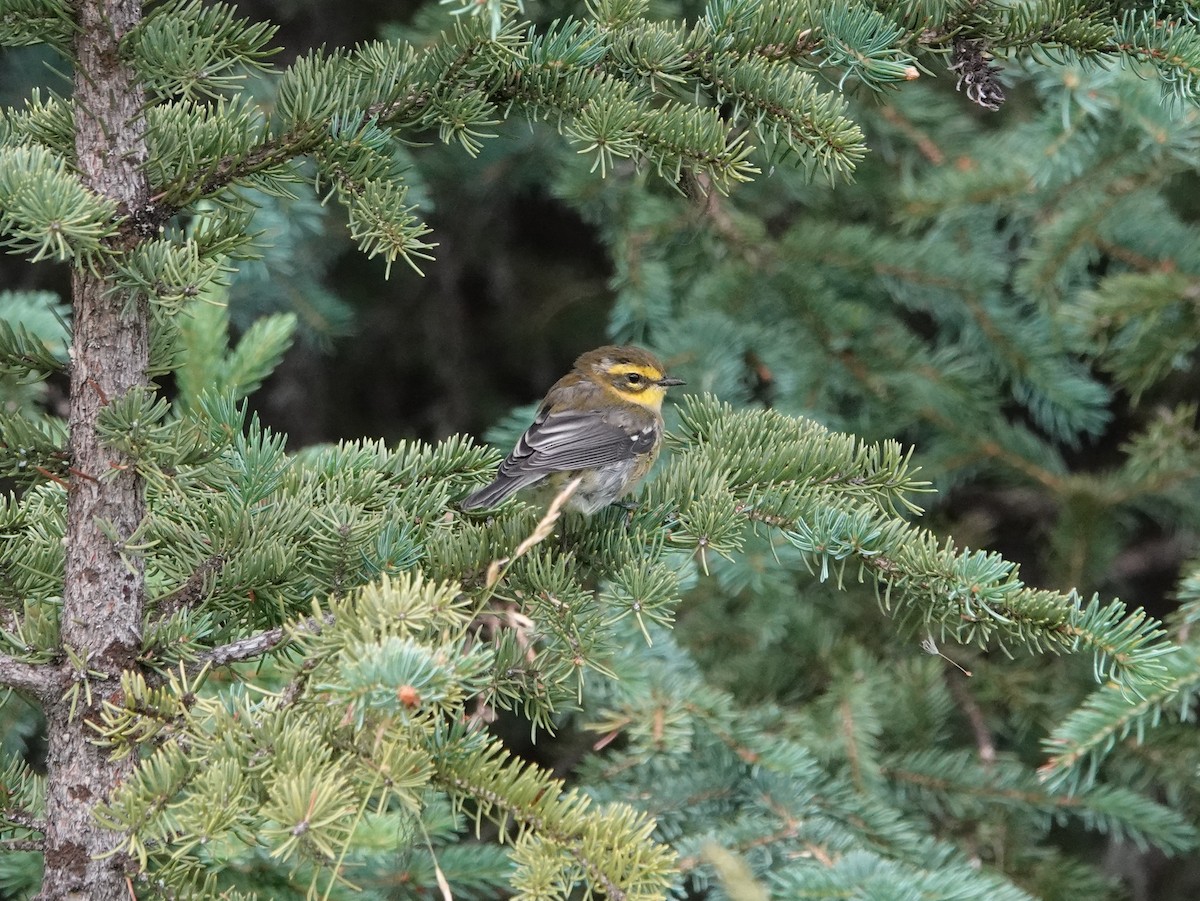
[[19, 816], [43, 681], [259, 644], [920, 138], [191, 592], [966, 702], [22, 844], [290, 694]]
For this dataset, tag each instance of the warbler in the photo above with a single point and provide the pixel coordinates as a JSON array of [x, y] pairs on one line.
[[602, 421]]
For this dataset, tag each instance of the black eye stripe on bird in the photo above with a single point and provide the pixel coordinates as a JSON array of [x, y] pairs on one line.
[[595, 422]]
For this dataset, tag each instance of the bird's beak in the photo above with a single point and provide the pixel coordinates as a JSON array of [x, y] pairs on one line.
[[669, 382]]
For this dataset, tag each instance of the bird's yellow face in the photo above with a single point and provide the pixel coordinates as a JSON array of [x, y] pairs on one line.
[[636, 383]]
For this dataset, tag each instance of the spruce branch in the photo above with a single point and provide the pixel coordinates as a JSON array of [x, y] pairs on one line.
[[562, 840], [862, 42], [783, 104], [1043, 25], [390, 85], [947, 780], [26, 354], [1171, 46], [47, 213], [1081, 742], [705, 763], [835, 503], [30, 22], [380, 221], [191, 49], [272, 157], [1002, 445], [33, 448], [391, 653], [47, 121], [977, 597]]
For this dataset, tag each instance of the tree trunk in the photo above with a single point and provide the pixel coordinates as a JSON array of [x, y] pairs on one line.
[[104, 592]]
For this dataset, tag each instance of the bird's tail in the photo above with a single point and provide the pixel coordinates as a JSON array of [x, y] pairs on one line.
[[492, 495]]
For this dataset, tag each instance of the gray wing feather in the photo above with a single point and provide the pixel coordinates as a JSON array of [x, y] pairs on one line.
[[560, 442]]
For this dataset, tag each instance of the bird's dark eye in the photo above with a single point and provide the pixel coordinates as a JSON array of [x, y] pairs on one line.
[[634, 378]]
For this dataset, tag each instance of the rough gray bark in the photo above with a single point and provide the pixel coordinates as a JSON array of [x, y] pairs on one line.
[[27, 677], [104, 593]]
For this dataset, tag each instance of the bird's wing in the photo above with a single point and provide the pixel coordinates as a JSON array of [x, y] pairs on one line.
[[556, 442]]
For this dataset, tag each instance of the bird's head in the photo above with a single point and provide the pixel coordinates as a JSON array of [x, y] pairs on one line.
[[632, 374]]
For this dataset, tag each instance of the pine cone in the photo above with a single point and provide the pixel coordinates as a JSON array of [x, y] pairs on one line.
[[973, 65]]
